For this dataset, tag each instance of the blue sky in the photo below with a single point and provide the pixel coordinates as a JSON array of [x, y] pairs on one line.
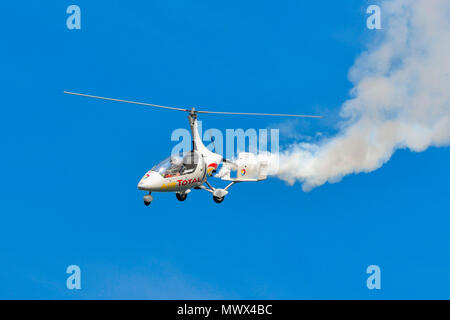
[[70, 165]]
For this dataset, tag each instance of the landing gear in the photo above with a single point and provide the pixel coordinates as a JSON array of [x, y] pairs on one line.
[[148, 199], [181, 196], [218, 194], [218, 199]]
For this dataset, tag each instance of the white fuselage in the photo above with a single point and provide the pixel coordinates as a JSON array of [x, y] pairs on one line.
[[181, 179]]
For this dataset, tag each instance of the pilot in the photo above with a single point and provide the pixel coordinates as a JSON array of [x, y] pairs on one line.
[[175, 169]]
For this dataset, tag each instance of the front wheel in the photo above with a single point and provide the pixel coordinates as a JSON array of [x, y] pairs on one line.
[[148, 199], [218, 199], [181, 196]]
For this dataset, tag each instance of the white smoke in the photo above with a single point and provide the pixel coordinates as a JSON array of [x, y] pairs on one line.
[[400, 99]]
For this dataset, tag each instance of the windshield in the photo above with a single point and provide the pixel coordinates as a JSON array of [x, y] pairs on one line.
[[177, 165]]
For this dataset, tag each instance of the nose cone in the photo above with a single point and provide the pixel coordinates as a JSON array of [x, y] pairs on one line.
[[142, 184], [150, 181]]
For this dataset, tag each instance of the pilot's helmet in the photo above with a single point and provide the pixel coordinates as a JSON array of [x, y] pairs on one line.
[[175, 161]]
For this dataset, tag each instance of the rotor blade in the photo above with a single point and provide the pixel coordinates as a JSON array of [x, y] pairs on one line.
[[198, 111], [126, 101], [262, 114]]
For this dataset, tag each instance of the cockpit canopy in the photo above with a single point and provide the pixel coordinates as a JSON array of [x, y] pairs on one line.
[[177, 165]]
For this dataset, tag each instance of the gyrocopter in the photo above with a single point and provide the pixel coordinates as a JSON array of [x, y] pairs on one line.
[[188, 171]]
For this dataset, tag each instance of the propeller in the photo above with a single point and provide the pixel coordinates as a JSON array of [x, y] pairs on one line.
[[194, 110]]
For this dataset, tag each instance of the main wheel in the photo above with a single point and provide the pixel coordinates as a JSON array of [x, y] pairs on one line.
[[181, 196], [218, 199]]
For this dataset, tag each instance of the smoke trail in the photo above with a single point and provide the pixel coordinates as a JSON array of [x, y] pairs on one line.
[[400, 98]]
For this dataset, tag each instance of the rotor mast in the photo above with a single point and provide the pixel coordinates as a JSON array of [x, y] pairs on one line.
[[196, 139]]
